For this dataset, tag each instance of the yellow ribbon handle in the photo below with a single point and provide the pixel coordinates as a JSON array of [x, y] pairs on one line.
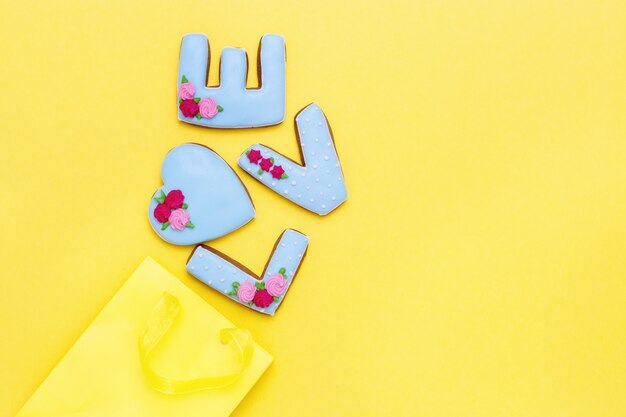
[[162, 318]]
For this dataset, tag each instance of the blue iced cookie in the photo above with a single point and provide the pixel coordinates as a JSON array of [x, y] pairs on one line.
[[318, 185], [201, 199], [262, 293], [231, 104]]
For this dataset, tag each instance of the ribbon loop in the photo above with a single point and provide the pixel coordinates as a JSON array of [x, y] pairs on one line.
[[163, 317]]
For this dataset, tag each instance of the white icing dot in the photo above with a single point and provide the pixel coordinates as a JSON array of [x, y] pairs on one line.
[[200, 255], [262, 310], [289, 168], [308, 187], [327, 143], [299, 195], [339, 179], [314, 166], [295, 243], [317, 139], [323, 206], [317, 180], [290, 258], [328, 171], [225, 291], [311, 200], [336, 165], [222, 280], [303, 144], [260, 176], [249, 170], [293, 183], [325, 157], [319, 123], [304, 174], [210, 282], [329, 185], [307, 120], [286, 191], [299, 255], [333, 198], [282, 245], [312, 153], [321, 192], [304, 132], [273, 183], [219, 267], [206, 268], [193, 267], [234, 272]]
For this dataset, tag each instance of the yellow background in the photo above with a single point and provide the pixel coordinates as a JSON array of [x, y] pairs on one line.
[[477, 268]]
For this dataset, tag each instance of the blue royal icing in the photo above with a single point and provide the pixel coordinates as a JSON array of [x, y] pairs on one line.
[[242, 107], [212, 268], [214, 197], [318, 186]]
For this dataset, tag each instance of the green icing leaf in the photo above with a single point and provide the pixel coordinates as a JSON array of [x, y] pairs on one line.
[[247, 153], [232, 293], [260, 285], [284, 177], [282, 271], [198, 116], [277, 299], [185, 206], [189, 225], [180, 101], [236, 285], [165, 225], [161, 199], [196, 99], [184, 80], [250, 303], [220, 108], [260, 171], [272, 160]]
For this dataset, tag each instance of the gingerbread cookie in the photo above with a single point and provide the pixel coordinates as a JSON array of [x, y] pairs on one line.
[[262, 293], [201, 199], [231, 104], [318, 185]]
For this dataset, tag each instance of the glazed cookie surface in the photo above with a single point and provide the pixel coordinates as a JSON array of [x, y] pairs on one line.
[[231, 104], [318, 185], [262, 293], [201, 198]]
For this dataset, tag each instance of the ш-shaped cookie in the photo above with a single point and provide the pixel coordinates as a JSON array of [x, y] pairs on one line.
[[231, 104]]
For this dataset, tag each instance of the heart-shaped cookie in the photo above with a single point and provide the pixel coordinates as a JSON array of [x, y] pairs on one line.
[[201, 199]]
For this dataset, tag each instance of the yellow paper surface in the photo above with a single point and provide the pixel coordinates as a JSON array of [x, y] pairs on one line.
[[102, 375], [477, 268]]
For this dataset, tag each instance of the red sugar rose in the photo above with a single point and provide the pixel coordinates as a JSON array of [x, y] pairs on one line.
[[174, 199], [262, 299], [189, 108], [254, 156], [162, 213], [265, 164], [277, 172]]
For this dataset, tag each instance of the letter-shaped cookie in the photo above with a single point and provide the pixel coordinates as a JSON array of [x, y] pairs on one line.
[[231, 104], [318, 186], [262, 293], [201, 199]]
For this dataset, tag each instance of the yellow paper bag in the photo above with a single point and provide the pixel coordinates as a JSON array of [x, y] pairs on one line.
[[157, 350]]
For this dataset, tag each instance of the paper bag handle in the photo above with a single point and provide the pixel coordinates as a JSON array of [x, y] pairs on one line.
[[159, 323]]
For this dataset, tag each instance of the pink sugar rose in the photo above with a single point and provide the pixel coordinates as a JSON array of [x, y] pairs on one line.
[[186, 91], [179, 219], [246, 292], [275, 285], [208, 108]]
